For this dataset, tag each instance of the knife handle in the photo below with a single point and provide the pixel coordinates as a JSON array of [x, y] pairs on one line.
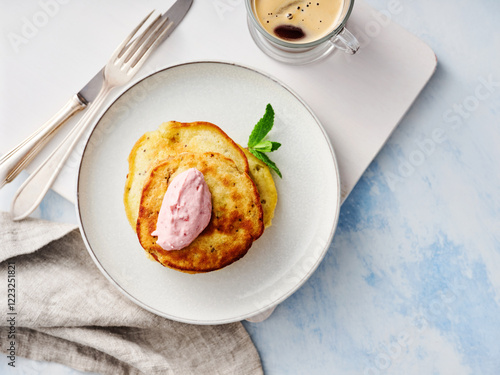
[[14, 161]]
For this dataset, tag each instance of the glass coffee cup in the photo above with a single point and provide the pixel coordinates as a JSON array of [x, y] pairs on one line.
[[298, 31]]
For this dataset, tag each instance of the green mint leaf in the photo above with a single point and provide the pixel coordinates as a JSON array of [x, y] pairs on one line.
[[263, 157], [264, 146], [275, 146], [263, 127]]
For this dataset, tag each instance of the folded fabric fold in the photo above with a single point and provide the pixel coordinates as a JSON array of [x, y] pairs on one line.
[[68, 312]]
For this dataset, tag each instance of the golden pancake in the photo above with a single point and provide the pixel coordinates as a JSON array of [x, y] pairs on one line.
[[261, 176], [172, 138], [236, 219]]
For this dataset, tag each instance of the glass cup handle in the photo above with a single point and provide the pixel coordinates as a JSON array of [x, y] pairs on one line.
[[346, 42]]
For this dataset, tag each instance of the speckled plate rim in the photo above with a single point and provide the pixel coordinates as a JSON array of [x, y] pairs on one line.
[[271, 304]]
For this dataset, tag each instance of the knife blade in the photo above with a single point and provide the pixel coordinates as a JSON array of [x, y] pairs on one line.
[[175, 14], [14, 161]]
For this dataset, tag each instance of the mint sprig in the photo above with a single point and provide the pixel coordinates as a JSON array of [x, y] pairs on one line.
[[256, 143]]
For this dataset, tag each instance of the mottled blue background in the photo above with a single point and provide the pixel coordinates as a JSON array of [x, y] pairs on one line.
[[411, 281]]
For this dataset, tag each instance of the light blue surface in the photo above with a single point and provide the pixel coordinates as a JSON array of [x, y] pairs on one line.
[[410, 284]]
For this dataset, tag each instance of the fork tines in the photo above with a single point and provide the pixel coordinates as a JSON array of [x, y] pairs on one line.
[[142, 45]]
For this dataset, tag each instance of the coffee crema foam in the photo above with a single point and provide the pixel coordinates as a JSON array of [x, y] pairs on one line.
[[298, 21]]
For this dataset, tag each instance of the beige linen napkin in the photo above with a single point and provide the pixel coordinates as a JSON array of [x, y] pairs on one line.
[[68, 312]]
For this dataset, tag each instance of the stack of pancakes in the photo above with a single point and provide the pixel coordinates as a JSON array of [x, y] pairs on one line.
[[243, 193]]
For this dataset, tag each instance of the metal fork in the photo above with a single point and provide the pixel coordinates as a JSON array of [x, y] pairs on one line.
[[120, 69]]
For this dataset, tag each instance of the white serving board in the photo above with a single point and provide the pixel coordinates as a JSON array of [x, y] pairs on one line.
[[359, 99]]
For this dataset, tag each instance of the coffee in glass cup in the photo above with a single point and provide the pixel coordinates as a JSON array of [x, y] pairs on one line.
[[301, 31]]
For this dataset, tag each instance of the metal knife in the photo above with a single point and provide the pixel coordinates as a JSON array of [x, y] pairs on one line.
[[14, 161]]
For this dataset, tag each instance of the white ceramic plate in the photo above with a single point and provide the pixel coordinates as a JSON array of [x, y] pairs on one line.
[[234, 98]]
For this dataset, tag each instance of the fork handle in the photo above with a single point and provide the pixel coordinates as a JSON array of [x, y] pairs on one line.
[[14, 161], [32, 191]]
